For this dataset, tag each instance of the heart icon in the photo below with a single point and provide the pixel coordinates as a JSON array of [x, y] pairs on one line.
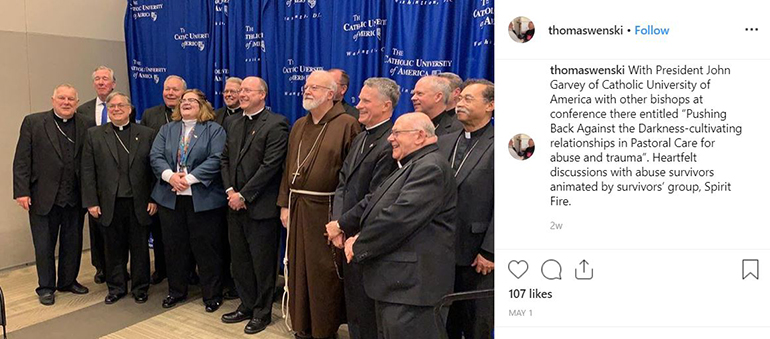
[[518, 268]]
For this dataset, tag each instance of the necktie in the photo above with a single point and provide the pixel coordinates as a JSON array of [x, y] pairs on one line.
[[104, 113]]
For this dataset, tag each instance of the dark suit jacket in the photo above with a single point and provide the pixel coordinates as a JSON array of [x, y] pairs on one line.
[[203, 161], [155, 117], [100, 171], [362, 173], [37, 164], [448, 124], [258, 162], [88, 108], [220, 114], [406, 244], [476, 197]]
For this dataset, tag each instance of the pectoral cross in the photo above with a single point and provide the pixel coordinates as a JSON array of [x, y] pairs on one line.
[[295, 174]]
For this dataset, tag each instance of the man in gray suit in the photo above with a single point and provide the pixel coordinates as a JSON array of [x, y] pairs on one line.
[[429, 96], [406, 243], [471, 154], [368, 163]]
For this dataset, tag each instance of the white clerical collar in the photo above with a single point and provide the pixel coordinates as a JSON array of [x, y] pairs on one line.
[[57, 114], [467, 135], [251, 116], [120, 127], [377, 125], [399, 164]]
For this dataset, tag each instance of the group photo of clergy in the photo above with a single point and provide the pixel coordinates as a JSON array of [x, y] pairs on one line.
[[383, 215]]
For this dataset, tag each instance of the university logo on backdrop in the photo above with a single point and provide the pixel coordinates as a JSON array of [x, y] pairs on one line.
[[153, 74], [362, 30], [310, 3], [145, 11], [314, 14], [367, 38], [222, 6], [485, 19], [190, 39]]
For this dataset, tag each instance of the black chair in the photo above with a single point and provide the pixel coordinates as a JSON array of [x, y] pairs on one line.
[[3, 319], [452, 297]]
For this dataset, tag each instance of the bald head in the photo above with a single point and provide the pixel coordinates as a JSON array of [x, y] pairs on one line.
[[411, 132], [252, 94]]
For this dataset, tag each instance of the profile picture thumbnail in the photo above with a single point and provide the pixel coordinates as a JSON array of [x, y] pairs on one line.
[[521, 29], [521, 146]]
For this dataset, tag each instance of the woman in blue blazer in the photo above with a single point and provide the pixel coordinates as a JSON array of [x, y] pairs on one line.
[[186, 158]]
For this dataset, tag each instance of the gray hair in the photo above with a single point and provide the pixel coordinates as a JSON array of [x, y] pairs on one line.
[[440, 85], [65, 85], [454, 80], [236, 80], [489, 90], [387, 88], [103, 68], [184, 83], [118, 94]]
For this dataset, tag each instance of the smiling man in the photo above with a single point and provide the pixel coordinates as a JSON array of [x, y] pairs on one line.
[[232, 101], [95, 113], [116, 186], [406, 241], [470, 152], [46, 182], [157, 116], [252, 164], [104, 83], [368, 163]]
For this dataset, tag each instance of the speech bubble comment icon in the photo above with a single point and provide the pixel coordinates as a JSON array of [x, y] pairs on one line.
[[551, 269], [518, 268]]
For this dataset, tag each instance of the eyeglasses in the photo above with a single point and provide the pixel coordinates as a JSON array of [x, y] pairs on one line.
[[248, 90], [114, 106], [395, 133], [230, 91], [313, 88], [191, 100]]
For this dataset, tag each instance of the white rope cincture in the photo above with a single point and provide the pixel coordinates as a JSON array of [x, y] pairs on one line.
[[285, 297]]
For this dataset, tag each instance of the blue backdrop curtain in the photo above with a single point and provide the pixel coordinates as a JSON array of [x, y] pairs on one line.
[[282, 41]]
